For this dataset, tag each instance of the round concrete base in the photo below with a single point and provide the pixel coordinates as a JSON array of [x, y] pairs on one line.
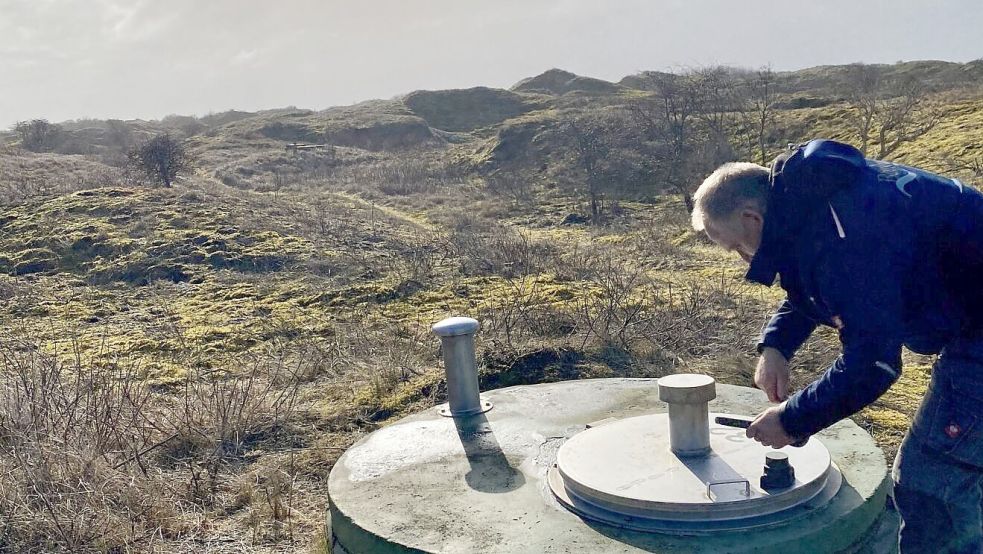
[[478, 484]]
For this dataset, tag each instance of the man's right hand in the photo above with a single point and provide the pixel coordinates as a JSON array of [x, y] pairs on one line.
[[771, 375]]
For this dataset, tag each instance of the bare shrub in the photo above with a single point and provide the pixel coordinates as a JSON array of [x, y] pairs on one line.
[[523, 317], [486, 247], [161, 159], [93, 459], [38, 135], [404, 174], [390, 355], [73, 441], [24, 176], [617, 311], [510, 185], [968, 167], [415, 259], [222, 413]]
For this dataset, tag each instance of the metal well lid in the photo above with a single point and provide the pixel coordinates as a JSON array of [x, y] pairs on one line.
[[624, 473]]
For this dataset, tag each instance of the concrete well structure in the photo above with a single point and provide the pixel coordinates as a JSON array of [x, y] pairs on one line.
[[585, 466]]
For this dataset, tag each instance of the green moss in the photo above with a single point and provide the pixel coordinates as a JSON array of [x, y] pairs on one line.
[[151, 243], [385, 404]]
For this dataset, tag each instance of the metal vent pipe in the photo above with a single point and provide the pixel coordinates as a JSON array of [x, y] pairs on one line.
[[457, 347], [688, 396]]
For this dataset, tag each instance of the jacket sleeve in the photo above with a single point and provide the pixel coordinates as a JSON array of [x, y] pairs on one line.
[[862, 290], [786, 330]]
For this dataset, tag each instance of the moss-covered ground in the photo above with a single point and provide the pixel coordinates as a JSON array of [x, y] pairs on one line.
[[334, 264]]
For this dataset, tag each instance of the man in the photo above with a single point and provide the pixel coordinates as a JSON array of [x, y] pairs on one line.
[[889, 256]]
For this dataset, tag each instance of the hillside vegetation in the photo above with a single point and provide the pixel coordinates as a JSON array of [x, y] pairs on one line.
[[182, 366]]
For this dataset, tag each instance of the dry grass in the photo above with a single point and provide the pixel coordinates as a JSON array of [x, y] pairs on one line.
[[179, 370], [25, 175], [96, 460]]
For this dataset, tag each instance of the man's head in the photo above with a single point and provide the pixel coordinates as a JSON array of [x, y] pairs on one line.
[[730, 206]]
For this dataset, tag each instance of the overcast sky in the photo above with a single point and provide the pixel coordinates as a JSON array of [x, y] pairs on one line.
[[67, 59]]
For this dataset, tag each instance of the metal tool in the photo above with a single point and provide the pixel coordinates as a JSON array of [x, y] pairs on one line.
[[743, 423]]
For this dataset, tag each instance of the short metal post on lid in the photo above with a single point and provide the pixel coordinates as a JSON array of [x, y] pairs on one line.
[[457, 346], [688, 395]]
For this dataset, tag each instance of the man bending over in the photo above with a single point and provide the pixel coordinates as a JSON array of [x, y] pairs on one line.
[[890, 256]]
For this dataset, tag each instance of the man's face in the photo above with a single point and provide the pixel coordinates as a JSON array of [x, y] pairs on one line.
[[740, 233]]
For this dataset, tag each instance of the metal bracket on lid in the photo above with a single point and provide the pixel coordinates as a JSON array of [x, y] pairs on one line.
[[711, 484]]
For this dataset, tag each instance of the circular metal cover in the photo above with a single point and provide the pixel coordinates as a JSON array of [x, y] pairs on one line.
[[455, 326], [624, 473], [687, 388]]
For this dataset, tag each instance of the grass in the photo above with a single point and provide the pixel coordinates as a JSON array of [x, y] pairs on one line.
[[555, 303], [247, 326]]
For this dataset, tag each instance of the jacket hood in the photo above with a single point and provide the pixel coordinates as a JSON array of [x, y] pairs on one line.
[[802, 182]]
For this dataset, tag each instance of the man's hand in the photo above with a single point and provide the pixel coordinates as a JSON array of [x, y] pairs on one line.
[[768, 430], [771, 375]]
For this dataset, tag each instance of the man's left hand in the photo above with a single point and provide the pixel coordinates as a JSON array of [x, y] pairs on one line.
[[768, 430]]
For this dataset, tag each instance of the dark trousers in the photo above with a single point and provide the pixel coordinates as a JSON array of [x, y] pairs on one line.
[[938, 473]]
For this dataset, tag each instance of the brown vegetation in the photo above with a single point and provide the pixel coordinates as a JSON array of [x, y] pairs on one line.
[[182, 366]]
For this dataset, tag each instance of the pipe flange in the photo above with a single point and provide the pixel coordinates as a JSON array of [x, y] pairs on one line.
[[445, 410]]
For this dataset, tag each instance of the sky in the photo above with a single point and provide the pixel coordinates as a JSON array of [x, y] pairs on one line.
[[71, 59]]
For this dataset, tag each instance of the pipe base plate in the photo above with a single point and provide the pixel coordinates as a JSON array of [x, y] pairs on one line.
[[445, 410]]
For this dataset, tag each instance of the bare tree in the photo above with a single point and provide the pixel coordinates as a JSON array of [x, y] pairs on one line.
[[895, 111], [760, 92], [590, 147], [905, 117], [668, 121], [510, 184], [716, 102], [863, 88], [161, 158], [37, 135]]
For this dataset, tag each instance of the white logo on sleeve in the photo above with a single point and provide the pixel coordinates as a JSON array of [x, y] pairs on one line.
[[903, 181]]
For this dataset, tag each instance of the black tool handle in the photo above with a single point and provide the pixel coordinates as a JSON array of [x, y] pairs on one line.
[[743, 423], [733, 422]]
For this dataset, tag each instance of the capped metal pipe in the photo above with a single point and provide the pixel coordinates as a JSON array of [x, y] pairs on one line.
[[457, 347], [688, 396]]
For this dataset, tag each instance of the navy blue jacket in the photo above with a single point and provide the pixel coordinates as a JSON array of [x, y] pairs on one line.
[[887, 254]]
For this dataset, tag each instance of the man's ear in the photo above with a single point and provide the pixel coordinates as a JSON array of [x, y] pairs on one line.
[[753, 218]]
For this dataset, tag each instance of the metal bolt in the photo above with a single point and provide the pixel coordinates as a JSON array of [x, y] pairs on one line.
[[778, 473]]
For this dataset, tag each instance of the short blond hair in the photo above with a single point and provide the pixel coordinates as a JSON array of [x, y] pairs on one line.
[[729, 188]]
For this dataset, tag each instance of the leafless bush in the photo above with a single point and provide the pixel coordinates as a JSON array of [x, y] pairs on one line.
[[161, 159], [707, 317], [524, 315], [971, 167], [409, 173], [27, 176], [510, 185], [415, 259], [613, 303], [73, 441], [619, 308], [92, 459], [486, 247], [390, 355], [223, 413]]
